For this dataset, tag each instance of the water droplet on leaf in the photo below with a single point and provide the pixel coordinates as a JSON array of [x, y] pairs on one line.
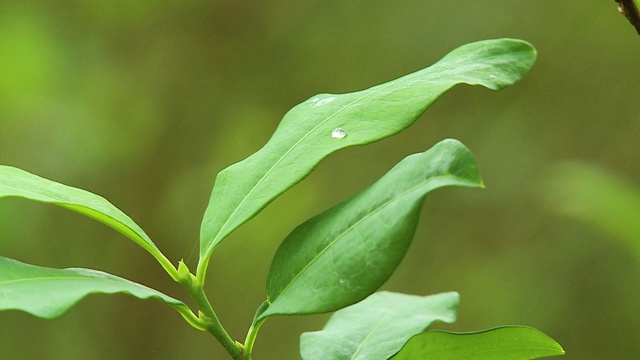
[[338, 133], [317, 102]]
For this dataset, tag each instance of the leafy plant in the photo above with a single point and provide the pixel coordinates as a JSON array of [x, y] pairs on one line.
[[334, 261]]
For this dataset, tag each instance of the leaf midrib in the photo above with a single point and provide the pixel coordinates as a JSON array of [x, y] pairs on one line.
[[61, 278], [271, 169], [382, 88], [347, 230], [145, 240], [370, 334]]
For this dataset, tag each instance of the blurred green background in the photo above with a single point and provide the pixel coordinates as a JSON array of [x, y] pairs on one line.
[[144, 102]]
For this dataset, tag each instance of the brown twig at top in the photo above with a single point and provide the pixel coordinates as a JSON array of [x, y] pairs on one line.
[[629, 9]]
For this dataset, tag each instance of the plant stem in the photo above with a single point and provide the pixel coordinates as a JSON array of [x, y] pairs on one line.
[[253, 330], [167, 266], [251, 339], [195, 286], [190, 317], [208, 320], [213, 324], [201, 271]]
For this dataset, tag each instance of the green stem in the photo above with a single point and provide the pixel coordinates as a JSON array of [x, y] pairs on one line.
[[251, 339], [253, 330], [201, 271], [207, 320], [167, 266], [190, 317], [213, 325]]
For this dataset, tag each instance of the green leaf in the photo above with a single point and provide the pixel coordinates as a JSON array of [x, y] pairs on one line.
[[508, 343], [49, 293], [377, 327], [19, 183], [344, 254], [304, 137]]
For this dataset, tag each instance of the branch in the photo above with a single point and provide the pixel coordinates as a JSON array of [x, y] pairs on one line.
[[629, 9]]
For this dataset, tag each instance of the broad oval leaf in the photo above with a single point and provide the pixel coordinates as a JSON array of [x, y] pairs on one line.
[[377, 327], [502, 343], [49, 293], [344, 254], [19, 183], [306, 134]]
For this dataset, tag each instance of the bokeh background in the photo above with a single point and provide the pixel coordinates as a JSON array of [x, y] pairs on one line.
[[144, 102]]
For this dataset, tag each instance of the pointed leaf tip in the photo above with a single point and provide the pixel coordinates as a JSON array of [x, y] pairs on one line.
[[328, 122], [344, 254]]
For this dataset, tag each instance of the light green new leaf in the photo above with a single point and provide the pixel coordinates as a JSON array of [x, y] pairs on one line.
[[304, 137], [49, 293], [344, 254], [377, 327], [503, 343], [19, 183]]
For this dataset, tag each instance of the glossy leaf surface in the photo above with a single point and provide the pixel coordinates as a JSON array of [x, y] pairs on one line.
[[377, 327], [48, 293], [19, 183], [503, 343], [306, 134], [344, 254]]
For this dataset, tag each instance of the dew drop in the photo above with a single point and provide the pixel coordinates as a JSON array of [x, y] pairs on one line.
[[319, 102], [338, 133]]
